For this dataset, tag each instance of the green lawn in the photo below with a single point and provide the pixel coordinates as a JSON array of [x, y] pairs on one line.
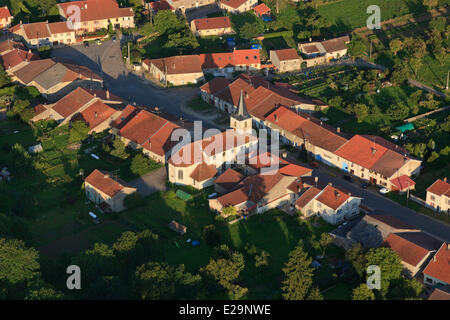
[[351, 14]]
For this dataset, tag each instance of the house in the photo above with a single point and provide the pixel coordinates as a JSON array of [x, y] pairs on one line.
[[215, 26], [414, 249], [441, 293], [196, 164], [148, 132], [257, 193], [54, 78], [237, 6], [227, 181], [39, 34], [95, 107], [156, 6], [97, 14], [438, 196], [176, 70], [331, 203], [17, 58], [437, 272], [319, 52], [261, 97], [224, 64], [285, 60], [5, 18], [261, 10], [10, 45], [376, 160], [107, 190], [186, 5]]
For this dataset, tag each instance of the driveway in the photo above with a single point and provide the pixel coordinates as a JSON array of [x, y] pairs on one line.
[[151, 182], [106, 61]]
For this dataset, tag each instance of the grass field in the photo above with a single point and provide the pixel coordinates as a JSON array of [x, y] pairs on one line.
[[351, 14]]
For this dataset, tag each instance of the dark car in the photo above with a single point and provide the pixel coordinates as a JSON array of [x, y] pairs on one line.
[[348, 178], [315, 164], [365, 185], [86, 44]]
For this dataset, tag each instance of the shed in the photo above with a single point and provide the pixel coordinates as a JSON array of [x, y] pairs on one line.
[[179, 228]]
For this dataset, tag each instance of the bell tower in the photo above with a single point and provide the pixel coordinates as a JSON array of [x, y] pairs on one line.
[[241, 119]]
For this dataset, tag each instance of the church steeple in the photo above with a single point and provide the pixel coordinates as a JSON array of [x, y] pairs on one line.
[[241, 119]]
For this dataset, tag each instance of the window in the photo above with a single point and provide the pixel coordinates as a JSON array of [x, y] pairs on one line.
[[432, 198], [180, 174]]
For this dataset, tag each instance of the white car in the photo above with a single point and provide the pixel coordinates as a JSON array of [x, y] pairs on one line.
[[384, 191]]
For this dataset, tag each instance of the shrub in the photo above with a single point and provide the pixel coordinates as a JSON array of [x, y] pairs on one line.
[[140, 165]]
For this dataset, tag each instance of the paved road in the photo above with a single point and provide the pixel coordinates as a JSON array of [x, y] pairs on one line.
[[426, 88], [151, 182], [106, 60], [381, 204]]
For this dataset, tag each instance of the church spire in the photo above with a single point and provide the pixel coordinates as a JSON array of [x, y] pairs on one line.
[[242, 109]]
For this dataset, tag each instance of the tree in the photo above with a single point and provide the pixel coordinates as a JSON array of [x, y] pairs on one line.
[[119, 149], [161, 281], [388, 262], [363, 293], [298, 274], [262, 259], [4, 78], [211, 235], [395, 46], [229, 211], [357, 258], [403, 288], [415, 64], [167, 22], [360, 111], [79, 131], [250, 30], [438, 24], [430, 3], [398, 111], [325, 240], [314, 294], [18, 266], [20, 159], [140, 165]]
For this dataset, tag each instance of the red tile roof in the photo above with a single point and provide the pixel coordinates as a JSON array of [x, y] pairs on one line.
[[332, 197], [160, 5], [203, 172], [440, 187], [95, 114], [59, 27], [287, 54], [440, 269], [9, 45], [17, 56], [407, 251], [229, 179], [151, 131], [441, 293], [294, 170], [36, 30], [4, 13], [215, 85], [72, 102], [177, 64], [264, 160], [306, 197], [97, 9], [373, 153], [212, 23], [403, 182], [125, 116], [322, 136], [261, 9], [233, 3], [336, 44], [104, 181], [245, 57]]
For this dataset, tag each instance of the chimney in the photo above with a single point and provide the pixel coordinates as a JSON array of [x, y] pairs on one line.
[[374, 150], [321, 122], [106, 176], [95, 95], [434, 258], [338, 129], [276, 117], [309, 118], [448, 246], [445, 179], [95, 114], [336, 194], [107, 94], [46, 21], [330, 184], [85, 5], [246, 95]]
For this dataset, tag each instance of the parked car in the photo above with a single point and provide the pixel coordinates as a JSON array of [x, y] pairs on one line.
[[86, 44], [365, 185], [348, 178], [114, 38], [98, 42], [315, 164], [384, 190]]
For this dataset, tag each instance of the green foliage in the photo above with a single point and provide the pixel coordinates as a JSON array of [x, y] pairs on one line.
[[20, 160], [250, 30], [314, 294], [141, 165], [356, 256], [388, 262], [298, 275], [119, 149], [79, 131], [4, 78], [403, 288], [398, 112], [362, 292]]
